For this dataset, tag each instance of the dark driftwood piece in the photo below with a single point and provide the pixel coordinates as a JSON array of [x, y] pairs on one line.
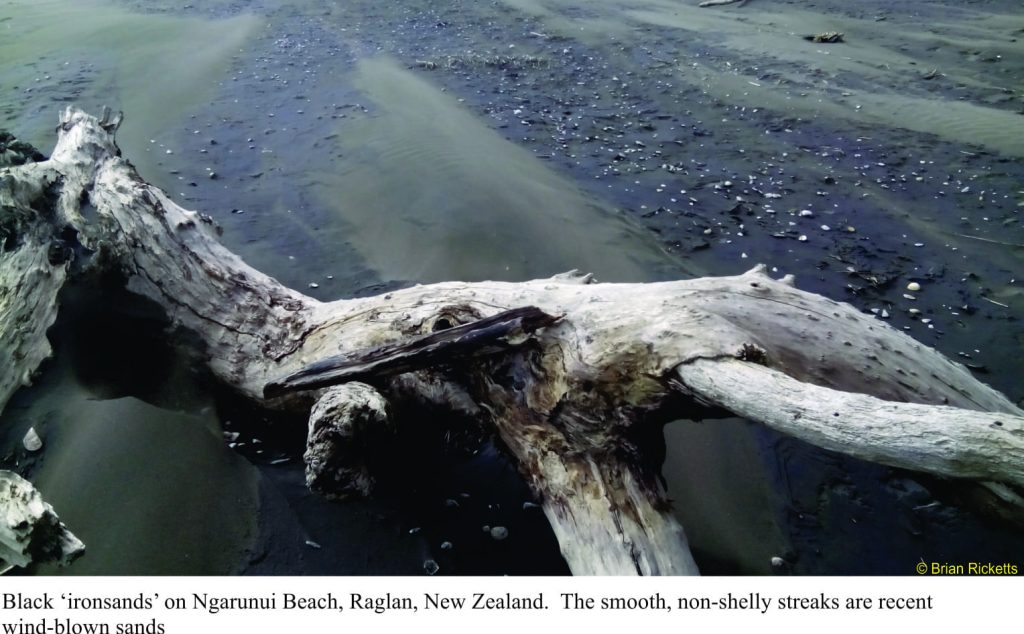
[[718, 3], [571, 399], [486, 336]]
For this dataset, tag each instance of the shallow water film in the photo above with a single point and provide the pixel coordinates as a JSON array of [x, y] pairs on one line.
[[349, 148]]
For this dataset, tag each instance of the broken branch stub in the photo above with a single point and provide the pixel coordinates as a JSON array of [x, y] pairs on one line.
[[348, 424], [572, 398]]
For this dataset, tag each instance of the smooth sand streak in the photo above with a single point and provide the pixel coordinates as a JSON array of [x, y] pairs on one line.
[[432, 193], [154, 67], [148, 490], [871, 54]]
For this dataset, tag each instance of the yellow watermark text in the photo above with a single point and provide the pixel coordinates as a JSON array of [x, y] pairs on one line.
[[967, 569]]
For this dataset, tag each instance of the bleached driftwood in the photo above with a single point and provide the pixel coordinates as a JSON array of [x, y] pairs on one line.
[[934, 439], [29, 529], [569, 373]]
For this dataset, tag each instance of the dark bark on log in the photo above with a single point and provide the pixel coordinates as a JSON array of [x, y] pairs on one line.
[[487, 336], [718, 3]]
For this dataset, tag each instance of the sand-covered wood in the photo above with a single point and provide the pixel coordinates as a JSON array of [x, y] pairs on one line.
[[573, 399]]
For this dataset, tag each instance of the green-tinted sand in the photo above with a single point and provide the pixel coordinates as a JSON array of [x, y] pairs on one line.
[[148, 490], [433, 194], [154, 67]]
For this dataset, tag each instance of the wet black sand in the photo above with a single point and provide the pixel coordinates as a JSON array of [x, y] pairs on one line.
[[713, 149]]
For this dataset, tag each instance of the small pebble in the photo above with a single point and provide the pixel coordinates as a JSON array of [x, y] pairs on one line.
[[913, 287], [499, 533]]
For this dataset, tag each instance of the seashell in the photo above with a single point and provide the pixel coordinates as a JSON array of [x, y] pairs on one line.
[[32, 441]]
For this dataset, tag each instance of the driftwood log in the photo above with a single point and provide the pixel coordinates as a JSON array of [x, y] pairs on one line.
[[571, 374]]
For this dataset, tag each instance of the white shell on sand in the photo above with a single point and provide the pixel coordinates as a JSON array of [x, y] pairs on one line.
[[32, 441]]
